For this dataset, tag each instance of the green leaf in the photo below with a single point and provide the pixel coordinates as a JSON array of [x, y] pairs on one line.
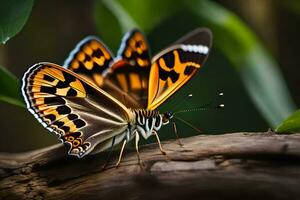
[[258, 70], [291, 124], [290, 5], [13, 16], [10, 88], [114, 18], [112, 21]]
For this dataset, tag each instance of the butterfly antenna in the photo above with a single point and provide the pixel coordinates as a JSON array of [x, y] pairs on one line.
[[207, 106], [188, 124], [185, 98]]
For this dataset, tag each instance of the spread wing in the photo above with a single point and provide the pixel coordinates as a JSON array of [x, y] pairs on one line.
[[89, 59], [84, 116], [127, 78], [176, 65]]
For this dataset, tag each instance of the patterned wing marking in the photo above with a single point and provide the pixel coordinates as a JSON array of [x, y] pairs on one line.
[[80, 113], [176, 65], [128, 84], [134, 49], [89, 59], [127, 78]]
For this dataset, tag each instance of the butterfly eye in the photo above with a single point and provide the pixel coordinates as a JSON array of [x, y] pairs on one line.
[[167, 116]]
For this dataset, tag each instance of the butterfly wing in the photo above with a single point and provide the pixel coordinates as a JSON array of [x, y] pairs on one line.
[[83, 115], [127, 78], [176, 65], [134, 49], [89, 59]]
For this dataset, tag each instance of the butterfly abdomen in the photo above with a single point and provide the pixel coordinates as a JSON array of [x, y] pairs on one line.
[[147, 121]]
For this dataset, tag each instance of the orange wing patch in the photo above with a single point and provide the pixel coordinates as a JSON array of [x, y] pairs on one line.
[[82, 114], [134, 49], [127, 78], [176, 65], [46, 91], [89, 59], [172, 69]]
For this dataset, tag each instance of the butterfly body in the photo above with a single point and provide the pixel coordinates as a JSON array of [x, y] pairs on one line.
[[148, 121], [97, 101]]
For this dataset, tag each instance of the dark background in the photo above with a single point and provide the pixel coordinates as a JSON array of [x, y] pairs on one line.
[[54, 28]]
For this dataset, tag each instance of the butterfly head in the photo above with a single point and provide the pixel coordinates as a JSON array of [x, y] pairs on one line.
[[167, 116]]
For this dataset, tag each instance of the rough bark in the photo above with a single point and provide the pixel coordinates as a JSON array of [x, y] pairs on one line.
[[229, 166]]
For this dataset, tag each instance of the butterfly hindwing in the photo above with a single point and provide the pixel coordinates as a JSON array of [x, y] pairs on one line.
[[83, 115], [127, 78], [176, 65], [89, 59]]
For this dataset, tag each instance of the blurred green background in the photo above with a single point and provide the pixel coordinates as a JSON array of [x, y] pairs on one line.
[[253, 61]]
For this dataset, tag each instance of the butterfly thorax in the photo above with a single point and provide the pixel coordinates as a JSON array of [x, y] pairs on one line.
[[147, 121]]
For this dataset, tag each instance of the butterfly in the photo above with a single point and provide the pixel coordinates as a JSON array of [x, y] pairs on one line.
[[98, 100]]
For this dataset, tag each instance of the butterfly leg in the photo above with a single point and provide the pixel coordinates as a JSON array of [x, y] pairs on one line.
[[137, 138], [109, 154], [121, 153], [176, 133], [158, 140]]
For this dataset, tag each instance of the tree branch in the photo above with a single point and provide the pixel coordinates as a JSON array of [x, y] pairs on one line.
[[229, 166]]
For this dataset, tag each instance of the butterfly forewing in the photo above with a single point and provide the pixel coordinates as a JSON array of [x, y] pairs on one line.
[[83, 115], [89, 59], [176, 65], [128, 77]]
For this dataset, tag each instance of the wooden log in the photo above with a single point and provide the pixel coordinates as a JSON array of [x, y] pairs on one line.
[[228, 166]]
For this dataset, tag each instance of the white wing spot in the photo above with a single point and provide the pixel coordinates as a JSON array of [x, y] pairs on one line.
[[195, 48]]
